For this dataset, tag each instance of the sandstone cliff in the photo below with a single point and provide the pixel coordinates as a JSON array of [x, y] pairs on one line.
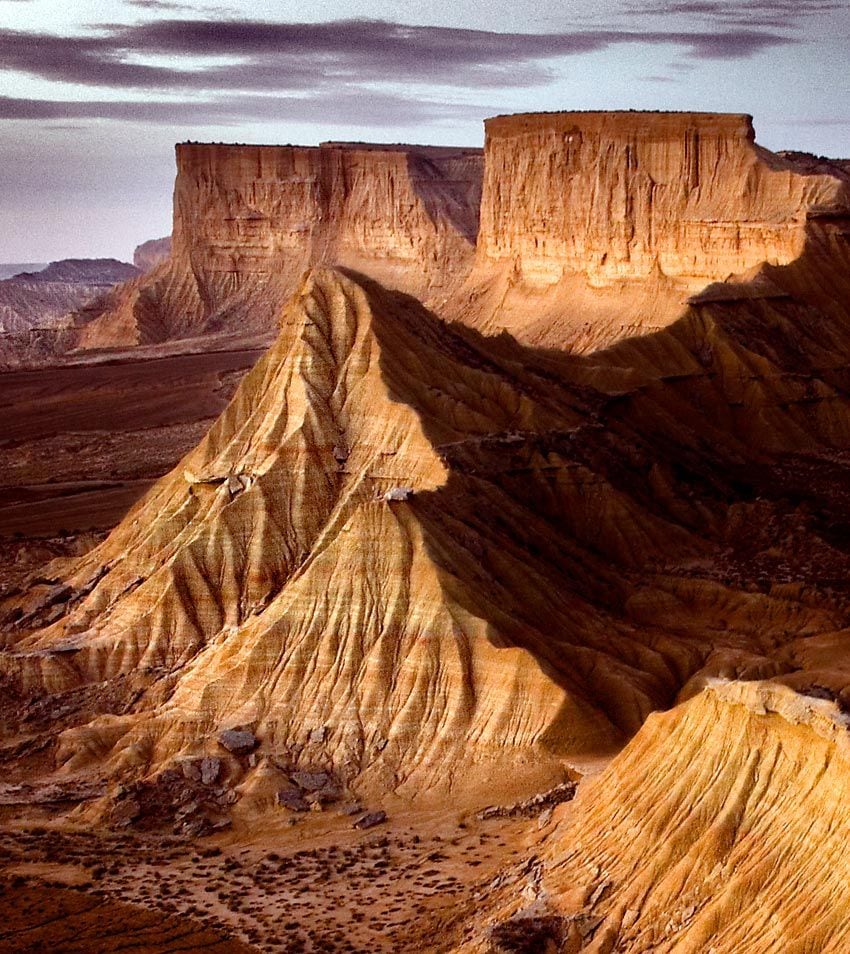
[[249, 219], [595, 226], [152, 253]]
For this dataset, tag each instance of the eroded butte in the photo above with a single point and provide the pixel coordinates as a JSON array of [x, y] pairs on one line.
[[541, 486]]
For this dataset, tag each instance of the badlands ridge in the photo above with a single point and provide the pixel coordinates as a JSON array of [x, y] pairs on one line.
[[550, 438]]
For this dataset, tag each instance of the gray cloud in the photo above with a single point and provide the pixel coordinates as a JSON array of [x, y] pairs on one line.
[[323, 108], [777, 14], [174, 5], [301, 56]]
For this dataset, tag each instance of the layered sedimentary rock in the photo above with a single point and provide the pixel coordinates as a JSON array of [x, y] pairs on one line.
[[597, 225], [721, 827], [249, 219], [406, 548], [420, 554]]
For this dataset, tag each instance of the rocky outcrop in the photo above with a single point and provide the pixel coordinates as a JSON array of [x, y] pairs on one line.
[[420, 555], [152, 253], [249, 219], [32, 300], [406, 547], [633, 195], [685, 842]]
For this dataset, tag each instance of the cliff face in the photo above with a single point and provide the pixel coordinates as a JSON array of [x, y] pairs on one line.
[[249, 219], [242, 211], [629, 195], [607, 222]]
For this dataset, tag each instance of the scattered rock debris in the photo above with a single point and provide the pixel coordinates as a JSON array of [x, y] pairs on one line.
[[564, 792]]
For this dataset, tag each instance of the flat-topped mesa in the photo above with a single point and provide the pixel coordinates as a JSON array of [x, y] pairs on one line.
[[249, 219], [243, 210], [628, 195]]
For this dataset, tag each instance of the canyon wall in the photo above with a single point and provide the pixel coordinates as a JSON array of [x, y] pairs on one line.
[[593, 226]]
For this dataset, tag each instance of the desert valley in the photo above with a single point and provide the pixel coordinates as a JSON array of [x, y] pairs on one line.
[[437, 549]]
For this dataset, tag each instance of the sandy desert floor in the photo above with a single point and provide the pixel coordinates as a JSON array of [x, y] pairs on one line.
[[83, 441]]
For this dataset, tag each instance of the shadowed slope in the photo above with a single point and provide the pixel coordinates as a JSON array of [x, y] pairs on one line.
[[410, 549]]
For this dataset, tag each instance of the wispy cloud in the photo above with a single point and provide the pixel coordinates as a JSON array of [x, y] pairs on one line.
[[322, 108], [778, 14], [297, 56]]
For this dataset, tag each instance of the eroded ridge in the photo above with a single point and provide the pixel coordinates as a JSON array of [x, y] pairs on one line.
[[686, 841]]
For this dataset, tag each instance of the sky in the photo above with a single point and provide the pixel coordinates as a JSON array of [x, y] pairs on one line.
[[94, 93]]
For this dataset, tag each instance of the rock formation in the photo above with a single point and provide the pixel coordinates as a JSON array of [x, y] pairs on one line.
[[152, 253], [37, 299], [720, 827], [420, 559], [595, 226], [249, 219]]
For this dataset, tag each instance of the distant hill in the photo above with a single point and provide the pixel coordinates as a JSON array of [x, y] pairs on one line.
[[104, 272], [149, 254], [8, 269], [40, 297]]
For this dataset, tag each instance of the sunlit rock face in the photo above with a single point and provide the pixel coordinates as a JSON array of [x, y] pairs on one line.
[[599, 226], [249, 219], [685, 841], [630, 195], [434, 556]]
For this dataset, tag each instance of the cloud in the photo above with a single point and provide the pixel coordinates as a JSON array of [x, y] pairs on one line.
[[777, 14], [322, 108], [174, 5], [299, 56]]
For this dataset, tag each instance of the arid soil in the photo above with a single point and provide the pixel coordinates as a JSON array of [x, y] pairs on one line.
[[413, 883], [81, 442]]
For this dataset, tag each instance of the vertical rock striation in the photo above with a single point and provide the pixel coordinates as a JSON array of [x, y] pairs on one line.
[[629, 195], [249, 219], [607, 222]]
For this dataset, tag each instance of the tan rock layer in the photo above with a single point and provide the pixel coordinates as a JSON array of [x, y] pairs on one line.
[[626, 195], [249, 219], [721, 827]]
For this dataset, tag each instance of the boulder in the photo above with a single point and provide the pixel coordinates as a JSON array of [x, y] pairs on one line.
[[312, 781], [210, 770], [398, 493], [370, 820], [238, 741], [294, 801]]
